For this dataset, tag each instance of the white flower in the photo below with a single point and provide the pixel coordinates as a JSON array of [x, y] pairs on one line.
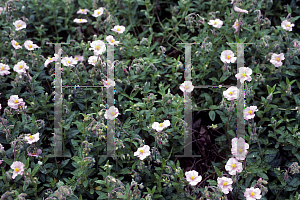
[[40, 162], [240, 154], [231, 93], [118, 29], [110, 39], [286, 25], [82, 11], [216, 23], [21, 67], [92, 60], [98, 46], [111, 113], [14, 101], [142, 152], [98, 12], [32, 138], [29, 45], [192, 177], [19, 24], [109, 83], [239, 10], [16, 45], [276, 59], [79, 21], [68, 61], [225, 184], [249, 112], [252, 193], [227, 56], [244, 74], [4, 69], [49, 60], [160, 126], [233, 166], [186, 86]]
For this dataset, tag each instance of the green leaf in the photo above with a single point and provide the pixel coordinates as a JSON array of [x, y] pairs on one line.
[[271, 151], [212, 182], [27, 164], [218, 171], [212, 115], [289, 9], [35, 170]]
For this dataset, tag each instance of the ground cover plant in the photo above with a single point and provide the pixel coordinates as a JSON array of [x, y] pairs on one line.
[[150, 97]]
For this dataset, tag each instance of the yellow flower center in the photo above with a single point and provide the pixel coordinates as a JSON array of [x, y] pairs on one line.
[[240, 150], [236, 24], [277, 59], [95, 61], [230, 93], [118, 29], [243, 74], [20, 107], [2, 68], [113, 113], [82, 10], [112, 41], [19, 25], [250, 112], [252, 193], [21, 67], [17, 169], [16, 101], [228, 57], [98, 13], [225, 183], [69, 62], [192, 177], [97, 47], [161, 124], [141, 151], [33, 153], [287, 25], [17, 43], [186, 87], [107, 83], [31, 137], [215, 23], [233, 165], [76, 58], [80, 20], [30, 46], [50, 59]]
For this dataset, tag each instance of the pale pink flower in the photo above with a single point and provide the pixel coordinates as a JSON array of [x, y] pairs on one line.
[[98, 12], [216, 23], [160, 126], [98, 46], [20, 67], [19, 24], [0, 106], [240, 154], [192, 177], [236, 25], [232, 1], [249, 112], [227, 56], [79, 21], [4, 69], [1, 162], [231, 93], [118, 29], [239, 10], [21, 107], [92, 60], [29, 45], [286, 25], [276, 59], [111, 113], [252, 193], [225, 184], [1, 9], [233, 166], [49, 60], [18, 168], [82, 11], [110, 39], [32, 138], [34, 154], [78, 58], [16, 45], [244, 74], [1, 147], [109, 83], [68, 61], [186, 86], [142, 152]]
